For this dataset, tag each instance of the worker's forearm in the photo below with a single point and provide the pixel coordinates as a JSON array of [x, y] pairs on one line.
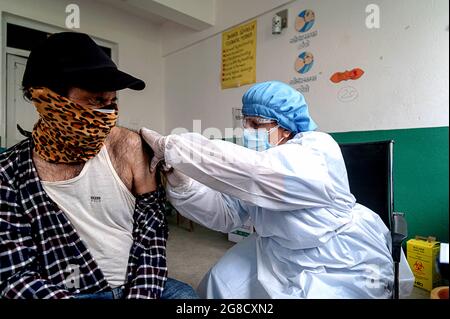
[[207, 207]]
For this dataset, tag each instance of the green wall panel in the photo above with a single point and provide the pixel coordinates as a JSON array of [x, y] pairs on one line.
[[421, 175]]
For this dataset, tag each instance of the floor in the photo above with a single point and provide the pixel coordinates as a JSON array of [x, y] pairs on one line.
[[191, 254], [418, 293]]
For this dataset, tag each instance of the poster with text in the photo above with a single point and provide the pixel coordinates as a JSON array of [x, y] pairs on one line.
[[239, 56]]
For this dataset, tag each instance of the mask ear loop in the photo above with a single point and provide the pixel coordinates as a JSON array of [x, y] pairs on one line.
[[278, 143], [270, 131]]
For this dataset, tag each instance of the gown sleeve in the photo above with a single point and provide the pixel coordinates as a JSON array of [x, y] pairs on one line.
[[284, 178], [208, 207]]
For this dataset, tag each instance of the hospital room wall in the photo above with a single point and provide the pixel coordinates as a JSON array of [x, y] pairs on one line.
[[403, 94], [139, 50], [228, 13]]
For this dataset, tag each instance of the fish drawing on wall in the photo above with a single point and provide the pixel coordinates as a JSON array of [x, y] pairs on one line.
[[354, 74]]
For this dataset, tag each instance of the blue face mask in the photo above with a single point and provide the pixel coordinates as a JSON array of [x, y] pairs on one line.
[[257, 140]]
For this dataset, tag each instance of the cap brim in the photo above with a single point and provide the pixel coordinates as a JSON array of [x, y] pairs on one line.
[[106, 80]]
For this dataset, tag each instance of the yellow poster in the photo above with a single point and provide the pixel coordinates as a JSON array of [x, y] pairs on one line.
[[239, 56]]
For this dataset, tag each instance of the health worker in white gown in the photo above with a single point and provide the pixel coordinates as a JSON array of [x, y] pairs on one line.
[[312, 239]]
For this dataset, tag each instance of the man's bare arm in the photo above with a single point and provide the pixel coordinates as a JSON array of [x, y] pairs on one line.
[[132, 161]]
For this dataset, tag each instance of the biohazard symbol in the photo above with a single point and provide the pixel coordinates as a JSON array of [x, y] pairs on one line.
[[418, 266]]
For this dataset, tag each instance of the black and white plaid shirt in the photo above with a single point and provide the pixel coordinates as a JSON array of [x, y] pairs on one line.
[[40, 249]]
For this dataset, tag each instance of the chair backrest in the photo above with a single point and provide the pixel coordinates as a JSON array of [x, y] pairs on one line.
[[369, 168]]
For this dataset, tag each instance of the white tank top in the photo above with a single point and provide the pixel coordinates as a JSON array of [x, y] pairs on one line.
[[100, 207]]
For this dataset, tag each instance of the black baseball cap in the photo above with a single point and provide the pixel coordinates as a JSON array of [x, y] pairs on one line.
[[73, 59]]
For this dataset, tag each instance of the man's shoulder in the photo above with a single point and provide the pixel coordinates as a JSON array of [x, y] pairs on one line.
[[126, 143], [121, 136], [15, 160]]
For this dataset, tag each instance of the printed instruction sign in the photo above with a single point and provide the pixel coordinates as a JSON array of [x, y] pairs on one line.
[[239, 56]]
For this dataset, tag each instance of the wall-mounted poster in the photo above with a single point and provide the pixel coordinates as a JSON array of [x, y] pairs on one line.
[[239, 56], [304, 62], [305, 21], [306, 27]]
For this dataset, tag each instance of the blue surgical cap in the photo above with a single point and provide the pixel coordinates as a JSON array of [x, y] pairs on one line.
[[279, 101]]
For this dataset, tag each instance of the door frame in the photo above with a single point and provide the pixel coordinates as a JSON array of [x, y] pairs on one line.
[[6, 18], [10, 92]]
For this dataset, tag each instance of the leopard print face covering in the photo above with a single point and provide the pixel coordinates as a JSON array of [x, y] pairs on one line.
[[66, 132]]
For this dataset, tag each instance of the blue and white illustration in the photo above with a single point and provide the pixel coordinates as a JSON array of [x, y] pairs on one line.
[[305, 21], [304, 63]]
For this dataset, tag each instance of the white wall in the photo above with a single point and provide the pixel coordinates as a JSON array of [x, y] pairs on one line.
[[139, 44], [406, 64], [228, 13], [406, 61], [198, 9]]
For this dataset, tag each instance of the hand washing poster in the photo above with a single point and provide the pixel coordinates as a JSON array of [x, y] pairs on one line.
[[239, 56], [305, 24]]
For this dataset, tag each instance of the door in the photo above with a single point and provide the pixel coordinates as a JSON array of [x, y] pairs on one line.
[[18, 110]]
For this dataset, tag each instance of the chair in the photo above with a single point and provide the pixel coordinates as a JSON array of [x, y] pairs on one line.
[[191, 223], [170, 210], [370, 174]]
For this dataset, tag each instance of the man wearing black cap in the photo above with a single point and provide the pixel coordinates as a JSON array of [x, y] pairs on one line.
[[81, 215]]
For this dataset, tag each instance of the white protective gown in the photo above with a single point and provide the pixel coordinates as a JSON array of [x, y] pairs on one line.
[[312, 239]]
